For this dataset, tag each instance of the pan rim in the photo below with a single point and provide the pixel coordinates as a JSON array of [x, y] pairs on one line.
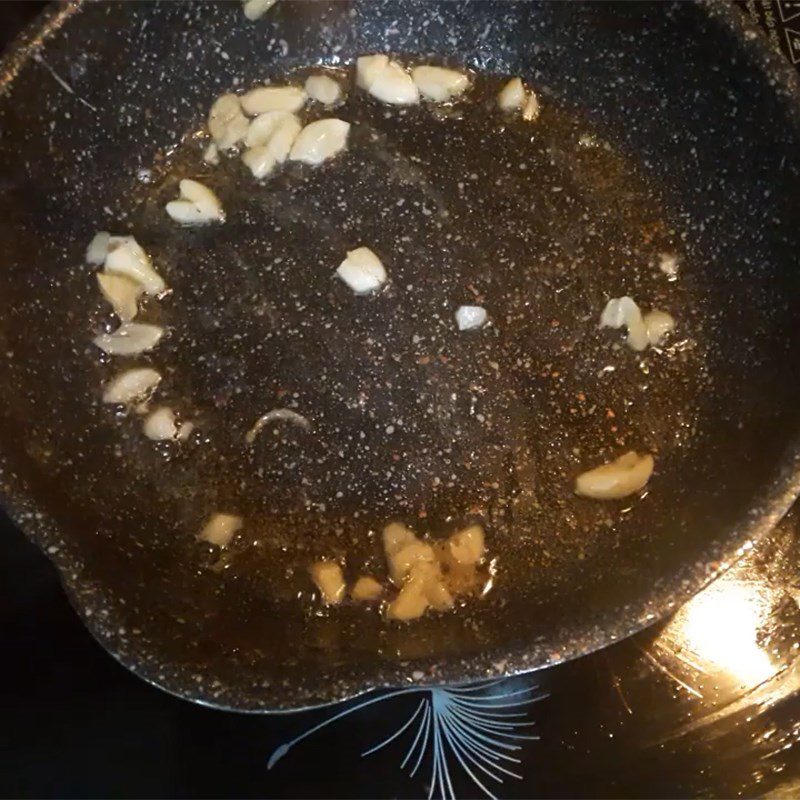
[[353, 681]]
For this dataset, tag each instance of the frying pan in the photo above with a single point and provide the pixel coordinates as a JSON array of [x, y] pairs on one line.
[[665, 129]]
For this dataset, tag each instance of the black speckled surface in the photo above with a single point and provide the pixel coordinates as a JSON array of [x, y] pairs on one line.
[[705, 706]]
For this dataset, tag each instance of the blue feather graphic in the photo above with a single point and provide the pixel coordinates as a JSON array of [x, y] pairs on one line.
[[477, 729]]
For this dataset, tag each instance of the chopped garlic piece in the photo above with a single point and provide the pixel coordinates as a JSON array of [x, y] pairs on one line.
[[411, 603], [121, 292], [366, 589], [253, 9], [320, 141], [197, 204], [368, 68], [260, 161], [416, 567], [532, 109], [226, 122], [395, 537], [667, 263], [512, 95], [132, 385], [98, 248], [264, 126], [623, 311], [642, 331], [276, 135], [362, 271], [470, 317], [323, 89], [467, 546], [185, 212], [126, 257], [658, 324], [328, 578], [273, 98], [617, 311], [185, 431], [402, 562], [403, 549], [437, 593], [386, 80], [620, 478], [439, 84], [160, 425], [211, 155], [422, 589], [220, 529], [129, 339]]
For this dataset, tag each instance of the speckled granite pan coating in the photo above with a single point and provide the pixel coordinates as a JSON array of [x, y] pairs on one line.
[[650, 141]]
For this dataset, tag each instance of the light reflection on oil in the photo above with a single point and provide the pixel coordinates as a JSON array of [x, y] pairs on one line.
[[718, 631]]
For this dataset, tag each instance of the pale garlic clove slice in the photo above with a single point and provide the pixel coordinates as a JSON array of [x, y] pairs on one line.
[[211, 155], [366, 589], [368, 68], [283, 137], [403, 550], [637, 334], [126, 257], [531, 109], [470, 317], [438, 594], [131, 386], [185, 212], [203, 197], [658, 324], [226, 122], [362, 271], [264, 126], [254, 9], [197, 205], [422, 589], [98, 248], [395, 536], [122, 294], [512, 95], [130, 339], [467, 546], [405, 559], [323, 89], [624, 476], [410, 603], [273, 98], [645, 330], [439, 84], [259, 160], [328, 578], [394, 86], [320, 141], [160, 425], [220, 529], [668, 264], [623, 311], [185, 430], [277, 134], [617, 311]]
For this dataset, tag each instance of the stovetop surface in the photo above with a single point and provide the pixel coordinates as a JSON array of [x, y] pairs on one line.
[[706, 704]]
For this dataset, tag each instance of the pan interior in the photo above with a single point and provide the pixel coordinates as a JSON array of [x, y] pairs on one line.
[[540, 223]]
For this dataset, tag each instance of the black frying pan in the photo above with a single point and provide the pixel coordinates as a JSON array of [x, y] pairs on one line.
[[650, 141]]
